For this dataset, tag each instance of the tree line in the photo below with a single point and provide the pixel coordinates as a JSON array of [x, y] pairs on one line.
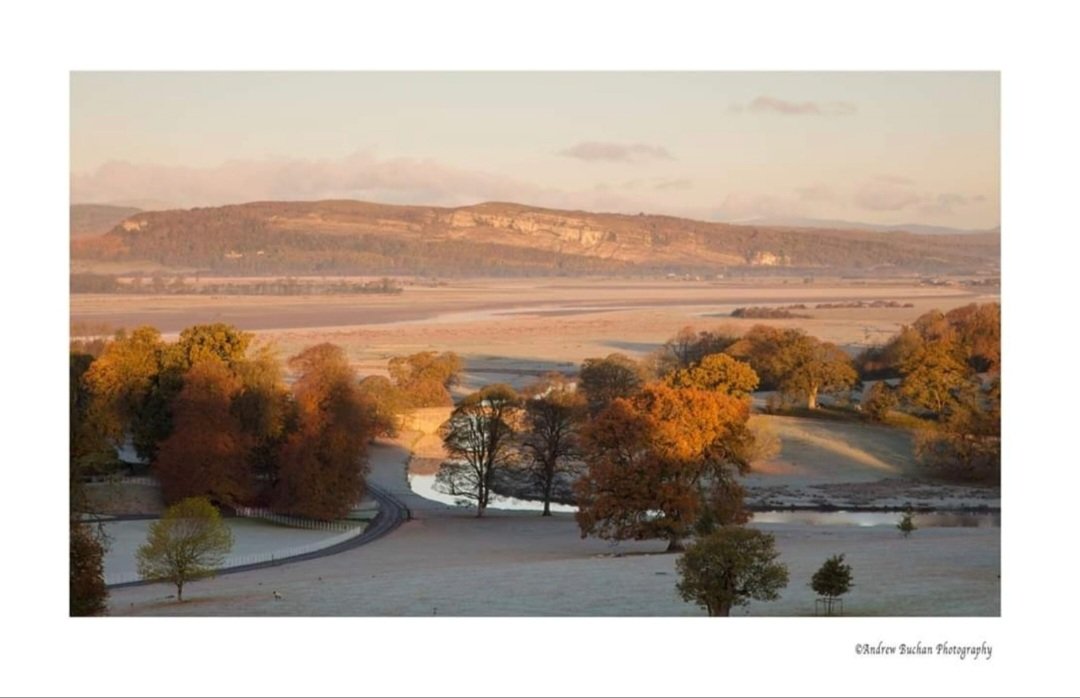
[[157, 284]]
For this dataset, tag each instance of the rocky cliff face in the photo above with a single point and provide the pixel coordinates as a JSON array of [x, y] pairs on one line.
[[377, 238]]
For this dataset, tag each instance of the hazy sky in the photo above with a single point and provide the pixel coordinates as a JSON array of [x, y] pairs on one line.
[[874, 147]]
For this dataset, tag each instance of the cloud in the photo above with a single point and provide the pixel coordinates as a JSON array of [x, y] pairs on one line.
[[946, 204], [887, 193], [764, 105], [815, 193], [748, 205], [597, 151], [358, 176]]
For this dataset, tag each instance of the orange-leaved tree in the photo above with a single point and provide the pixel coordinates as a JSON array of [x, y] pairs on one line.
[[656, 459], [323, 463], [206, 455]]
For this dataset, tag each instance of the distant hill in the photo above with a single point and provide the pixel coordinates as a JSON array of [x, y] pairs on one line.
[[95, 219], [916, 228], [503, 239]]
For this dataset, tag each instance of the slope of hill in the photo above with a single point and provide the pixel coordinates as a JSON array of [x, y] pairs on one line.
[[95, 219], [502, 238], [835, 224]]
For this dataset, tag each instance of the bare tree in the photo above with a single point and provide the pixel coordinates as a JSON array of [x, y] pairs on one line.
[[553, 413], [479, 440]]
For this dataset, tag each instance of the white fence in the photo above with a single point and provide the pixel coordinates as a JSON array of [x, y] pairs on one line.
[[345, 532], [291, 521]]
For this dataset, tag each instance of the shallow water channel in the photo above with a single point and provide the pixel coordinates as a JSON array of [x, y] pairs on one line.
[[424, 485]]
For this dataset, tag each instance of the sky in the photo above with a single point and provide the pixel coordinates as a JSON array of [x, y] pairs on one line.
[[882, 148]]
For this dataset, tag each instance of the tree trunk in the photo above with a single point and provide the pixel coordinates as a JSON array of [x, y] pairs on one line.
[[547, 498], [722, 610], [811, 400], [179, 592], [674, 544]]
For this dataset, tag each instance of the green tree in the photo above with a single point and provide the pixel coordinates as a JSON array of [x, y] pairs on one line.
[[730, 567], [189, 542], [604, 380], [86, 587], [478, 439], [907, 523], [832, 580], [553, 413]]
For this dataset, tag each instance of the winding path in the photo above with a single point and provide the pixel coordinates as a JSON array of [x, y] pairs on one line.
[[392, 513]]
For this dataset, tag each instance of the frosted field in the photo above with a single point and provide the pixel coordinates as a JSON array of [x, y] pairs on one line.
[[517, 563], [250, 537]]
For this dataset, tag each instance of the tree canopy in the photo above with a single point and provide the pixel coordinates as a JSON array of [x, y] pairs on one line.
[[553, 415], [323, 462], [730, 567], [650, 456], [189, 542], [478, 439], [604, 380]]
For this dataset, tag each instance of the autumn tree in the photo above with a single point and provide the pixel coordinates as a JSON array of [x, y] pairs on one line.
[[795, 363], [122, 382], [424, 379], [189, 542], [934, 379], [650, 458], [264, 409], [323, 463], [832, 580], [604, 380], [717, 372], [689, 347], [730, 567], [966, 445], [879, 401], [207, 453], [812, 367], [553, 415], [386, 402], [199, 342], [87, 594], [478, 439]]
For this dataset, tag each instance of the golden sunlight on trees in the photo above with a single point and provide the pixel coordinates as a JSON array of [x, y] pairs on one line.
[[934, 378], [717, 372], [796, 364], [189, 542], [207, 452], [478, 439], [689, 347], [651, 457], [728, 568], [425, 379], [322, 464], [122, 378]]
